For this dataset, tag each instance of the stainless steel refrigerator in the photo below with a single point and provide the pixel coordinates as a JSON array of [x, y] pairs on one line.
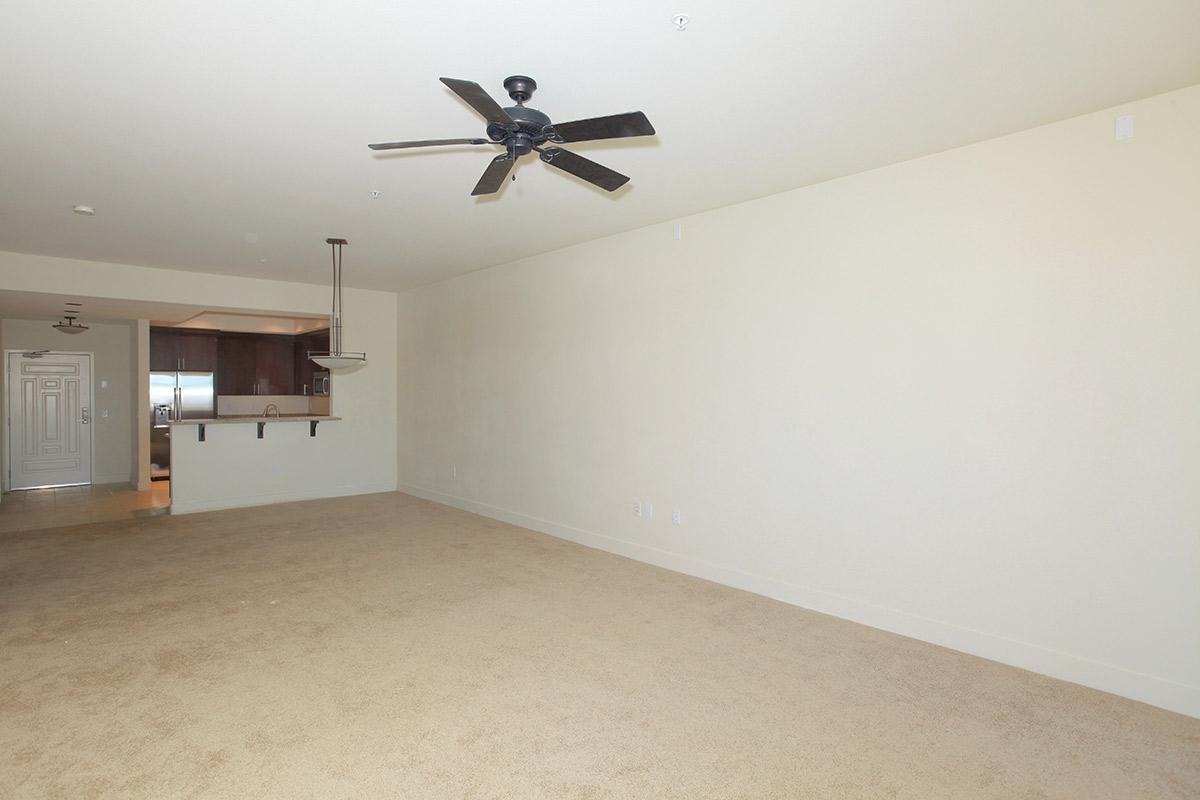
[[175, 396]]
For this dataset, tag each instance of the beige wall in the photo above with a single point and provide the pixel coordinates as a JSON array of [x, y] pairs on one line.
[[113, 381], [3, 420], [955, 398], [141, 393], [257, 403], [356, 455]]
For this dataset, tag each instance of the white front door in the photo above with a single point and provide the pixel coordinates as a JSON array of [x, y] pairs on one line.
[[49, 420]]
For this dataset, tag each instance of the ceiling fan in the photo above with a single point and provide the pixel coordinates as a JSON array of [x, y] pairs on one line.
[[521, 130]]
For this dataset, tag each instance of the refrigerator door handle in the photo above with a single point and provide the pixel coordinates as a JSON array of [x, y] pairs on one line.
[[178, 404]]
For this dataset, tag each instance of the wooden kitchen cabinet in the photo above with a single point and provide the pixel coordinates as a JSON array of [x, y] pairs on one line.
[[236, 355], [243, 363], [173, 349], [315, 342], [164, 350], [275, 365], [198, 352]]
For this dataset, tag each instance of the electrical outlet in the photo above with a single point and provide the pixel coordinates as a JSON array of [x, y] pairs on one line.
[[637, 508], [677, 517], [647, 510]]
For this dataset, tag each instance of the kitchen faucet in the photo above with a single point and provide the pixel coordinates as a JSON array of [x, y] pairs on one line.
[[269, 408]]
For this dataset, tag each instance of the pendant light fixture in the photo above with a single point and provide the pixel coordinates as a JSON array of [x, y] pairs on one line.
[[336, 358], [68, 323]]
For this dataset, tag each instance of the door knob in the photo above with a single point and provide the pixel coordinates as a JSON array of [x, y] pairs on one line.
[[84, 420]]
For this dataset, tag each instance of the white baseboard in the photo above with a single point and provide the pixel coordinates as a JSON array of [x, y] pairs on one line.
[[1171, 695], [246, 501]]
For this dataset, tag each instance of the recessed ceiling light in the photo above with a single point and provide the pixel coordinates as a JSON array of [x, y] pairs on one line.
[[86, 211]]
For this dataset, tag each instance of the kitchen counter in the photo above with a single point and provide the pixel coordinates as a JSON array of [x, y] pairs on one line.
[[235, 418]]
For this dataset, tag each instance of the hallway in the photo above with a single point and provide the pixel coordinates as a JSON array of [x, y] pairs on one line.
[[34, 509]]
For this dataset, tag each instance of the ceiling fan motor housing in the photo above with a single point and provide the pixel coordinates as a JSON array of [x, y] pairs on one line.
[[531, 125], [520, 88]]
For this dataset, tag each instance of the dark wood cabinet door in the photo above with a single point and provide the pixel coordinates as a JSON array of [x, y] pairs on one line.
[[198, 351], [316, 342], [301, 375], [164, 350], [275, 364], [236, 367]]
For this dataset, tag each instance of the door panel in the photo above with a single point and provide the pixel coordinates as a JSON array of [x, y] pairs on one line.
[[198, 352], [164, 350], [274, 364], [317, 342], [235, 364], [196, 398], [49, 414]]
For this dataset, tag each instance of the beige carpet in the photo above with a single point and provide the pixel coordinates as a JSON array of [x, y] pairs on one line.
[[384, 646]]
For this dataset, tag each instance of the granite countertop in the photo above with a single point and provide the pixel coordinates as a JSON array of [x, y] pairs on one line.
[[234, 418]]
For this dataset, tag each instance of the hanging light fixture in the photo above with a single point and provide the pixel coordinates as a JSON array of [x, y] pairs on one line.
[[68, 323], [336, 358]]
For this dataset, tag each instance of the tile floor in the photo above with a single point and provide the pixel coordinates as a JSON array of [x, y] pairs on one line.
[[34, 509]]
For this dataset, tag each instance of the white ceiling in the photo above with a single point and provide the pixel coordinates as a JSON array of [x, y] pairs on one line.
[[38, 305], [42, 306], [231, 136]]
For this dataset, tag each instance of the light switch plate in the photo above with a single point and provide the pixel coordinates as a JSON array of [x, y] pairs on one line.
[[1124, 127]]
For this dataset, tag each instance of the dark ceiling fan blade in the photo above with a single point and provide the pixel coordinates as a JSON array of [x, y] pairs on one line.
[[616, 126], [584, 168], [494, 175], [427, 143], [481, 101]]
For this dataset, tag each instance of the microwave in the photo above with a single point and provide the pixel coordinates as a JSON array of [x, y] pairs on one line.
[[321, 383]]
